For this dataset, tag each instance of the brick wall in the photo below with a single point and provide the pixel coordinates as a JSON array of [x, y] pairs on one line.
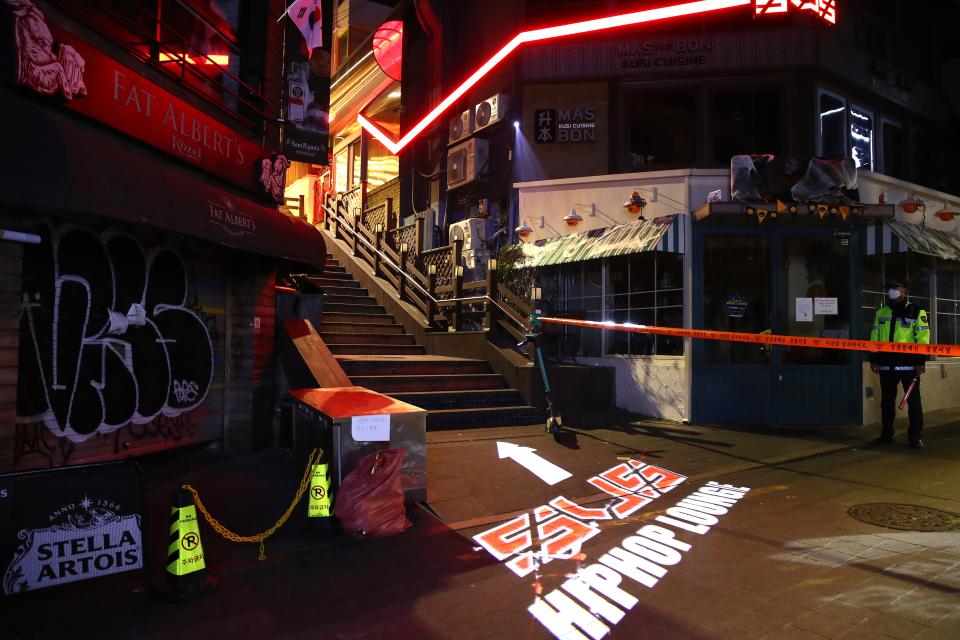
[[10, 270]]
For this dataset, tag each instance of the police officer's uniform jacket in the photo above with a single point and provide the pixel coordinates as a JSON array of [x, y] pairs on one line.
[[906, 323]]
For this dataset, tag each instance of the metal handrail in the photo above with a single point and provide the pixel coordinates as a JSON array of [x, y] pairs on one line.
[[416, 283]]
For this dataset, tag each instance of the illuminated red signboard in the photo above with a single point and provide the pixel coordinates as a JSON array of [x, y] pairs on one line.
[[825, 9], [123, 99]]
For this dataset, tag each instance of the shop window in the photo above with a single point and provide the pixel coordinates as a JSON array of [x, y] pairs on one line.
[[661, 131], [382, 166], [832, 127], [196, 42], [746, 121], [646, 289], [947, 324], [861, 138], [356, 161], [736, 296], [891, 149], [643, 288], [341, 171], [816, 270]]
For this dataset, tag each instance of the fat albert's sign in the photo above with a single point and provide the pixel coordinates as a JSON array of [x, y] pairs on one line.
[[58, 528]]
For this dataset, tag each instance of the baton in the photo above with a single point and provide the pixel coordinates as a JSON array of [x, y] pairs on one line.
[[906, 396]]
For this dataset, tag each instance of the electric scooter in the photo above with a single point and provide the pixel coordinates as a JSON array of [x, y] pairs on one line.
[[554, 420]]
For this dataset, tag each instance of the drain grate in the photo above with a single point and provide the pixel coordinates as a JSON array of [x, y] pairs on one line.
[[906, 517]]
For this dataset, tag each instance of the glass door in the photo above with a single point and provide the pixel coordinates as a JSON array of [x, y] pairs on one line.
[[768, 281], [733, 382], [816, 386]]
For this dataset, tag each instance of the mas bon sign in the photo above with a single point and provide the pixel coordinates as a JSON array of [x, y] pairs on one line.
[[69, 524]]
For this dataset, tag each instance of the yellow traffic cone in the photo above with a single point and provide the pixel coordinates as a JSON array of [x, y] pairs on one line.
[[186, 567], [320, 519]]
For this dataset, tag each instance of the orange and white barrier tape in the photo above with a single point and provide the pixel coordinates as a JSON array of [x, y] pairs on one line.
[[767, 338]]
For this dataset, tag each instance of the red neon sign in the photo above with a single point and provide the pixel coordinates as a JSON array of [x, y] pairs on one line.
[[828, 13], [825, 9]]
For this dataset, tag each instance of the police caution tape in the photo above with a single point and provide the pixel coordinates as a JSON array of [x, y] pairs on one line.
[[766, 338], [597, 597]]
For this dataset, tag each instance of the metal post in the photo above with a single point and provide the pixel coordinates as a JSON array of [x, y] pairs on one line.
[[418, 234], [432, 290], [401, 278], [356, 231], [457, 293], [377, 240], [491, 291]]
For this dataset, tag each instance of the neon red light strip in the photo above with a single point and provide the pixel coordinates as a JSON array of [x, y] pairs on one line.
[[548, 33]]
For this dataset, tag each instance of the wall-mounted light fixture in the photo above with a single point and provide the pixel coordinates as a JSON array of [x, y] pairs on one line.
[[912, 204], [523, 230], [946, 213], [573, 218]]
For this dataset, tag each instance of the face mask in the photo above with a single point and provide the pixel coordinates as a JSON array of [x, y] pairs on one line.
[[893, 294]]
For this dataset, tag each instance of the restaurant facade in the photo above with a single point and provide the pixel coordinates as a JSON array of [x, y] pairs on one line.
[[141, 238], [606, 153]]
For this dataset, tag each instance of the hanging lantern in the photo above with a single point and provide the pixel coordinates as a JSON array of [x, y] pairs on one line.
[[573, 218], [523, 230], [946, 214]]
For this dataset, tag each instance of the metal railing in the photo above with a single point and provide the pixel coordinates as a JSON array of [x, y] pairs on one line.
[[157, 43], [421, 290]]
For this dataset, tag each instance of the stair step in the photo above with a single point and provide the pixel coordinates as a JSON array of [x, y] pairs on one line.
[[334, 275], [349, 299], [410, 365], [484, 417], [365, 337], [336, 307], [461, 399], [390, 384], [345, 292], [377, 349], [333, 268], [329, 283], [328, 317], [335, 328]]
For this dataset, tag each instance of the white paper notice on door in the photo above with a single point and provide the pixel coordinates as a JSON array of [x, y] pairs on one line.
[[804, 309], [825, 306], [370, 428]]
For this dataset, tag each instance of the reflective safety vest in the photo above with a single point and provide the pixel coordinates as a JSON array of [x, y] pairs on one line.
[[907, 324]]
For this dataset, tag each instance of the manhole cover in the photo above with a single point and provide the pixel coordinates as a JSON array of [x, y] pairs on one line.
[[907, 517]]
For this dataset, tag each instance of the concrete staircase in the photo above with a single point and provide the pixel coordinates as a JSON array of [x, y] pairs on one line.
[[376, 352]]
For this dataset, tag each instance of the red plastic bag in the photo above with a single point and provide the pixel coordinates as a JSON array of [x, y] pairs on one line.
[[370, 500]]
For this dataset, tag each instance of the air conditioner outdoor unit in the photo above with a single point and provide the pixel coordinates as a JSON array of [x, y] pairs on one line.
[[473, 232], [460, 127], [491, 111], [466, 162]]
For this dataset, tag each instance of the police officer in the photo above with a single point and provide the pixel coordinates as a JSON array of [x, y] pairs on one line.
[[899, 321]]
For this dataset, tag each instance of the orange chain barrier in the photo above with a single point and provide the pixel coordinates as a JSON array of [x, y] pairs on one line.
[[767, 338]]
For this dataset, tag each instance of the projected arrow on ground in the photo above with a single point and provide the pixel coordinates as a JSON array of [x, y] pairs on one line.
[[525, 456]]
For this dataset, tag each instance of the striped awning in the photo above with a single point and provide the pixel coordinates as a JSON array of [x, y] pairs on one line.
[[657, 234], [893, 236]]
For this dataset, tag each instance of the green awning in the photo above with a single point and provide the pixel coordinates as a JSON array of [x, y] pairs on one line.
[[893, 236], [657, 234]]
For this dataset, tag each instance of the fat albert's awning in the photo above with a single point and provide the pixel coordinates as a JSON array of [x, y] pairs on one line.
[[893, 236], [55, 162], [657, 234]]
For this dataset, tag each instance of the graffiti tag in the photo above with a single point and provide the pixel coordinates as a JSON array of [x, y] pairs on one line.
[[108, 339]]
